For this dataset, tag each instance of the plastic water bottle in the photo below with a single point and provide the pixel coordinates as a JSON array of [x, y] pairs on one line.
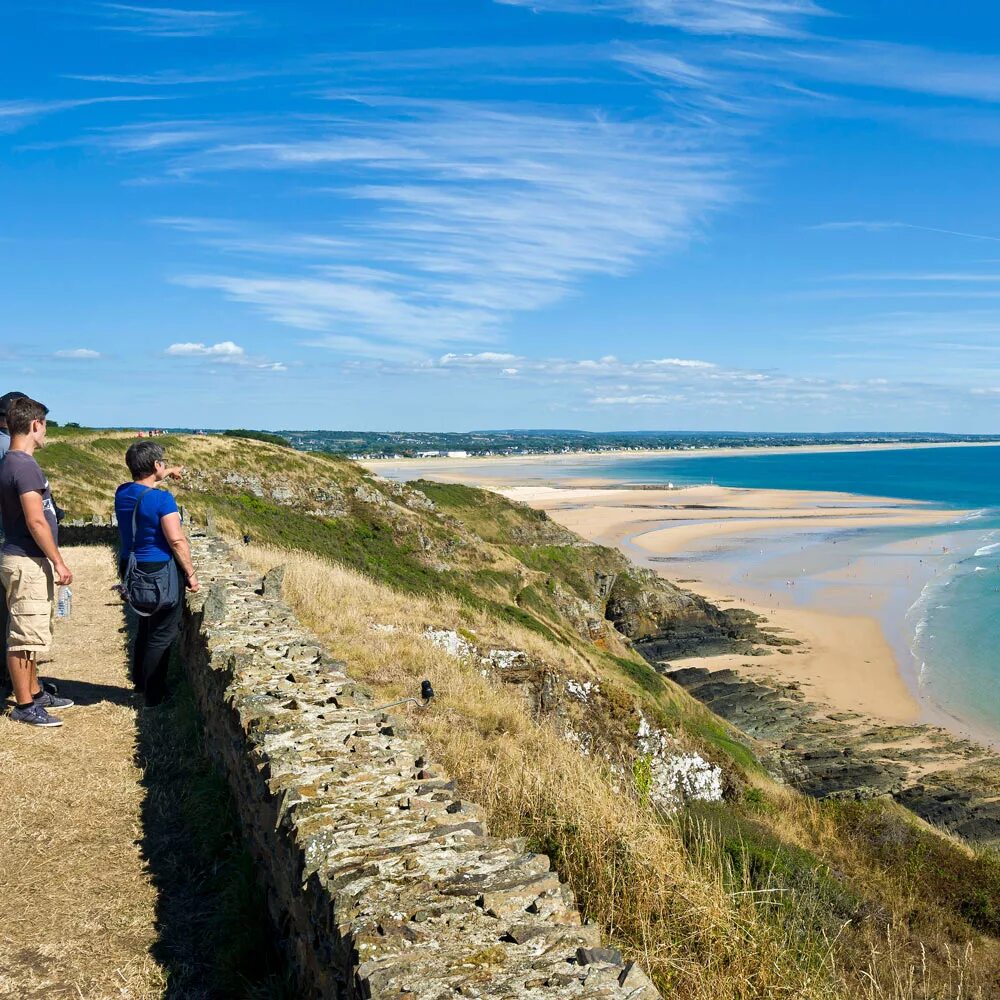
[[64, 603]]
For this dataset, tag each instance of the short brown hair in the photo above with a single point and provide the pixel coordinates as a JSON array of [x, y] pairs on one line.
[[22, 413], [141, 458]]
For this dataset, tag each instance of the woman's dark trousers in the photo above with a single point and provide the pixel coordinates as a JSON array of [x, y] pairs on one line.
[[154, 637]]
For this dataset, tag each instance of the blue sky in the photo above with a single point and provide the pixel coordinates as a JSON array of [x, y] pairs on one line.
[[606, 214]]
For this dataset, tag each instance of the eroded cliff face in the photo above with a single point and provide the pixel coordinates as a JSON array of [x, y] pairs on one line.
[[663, 621]]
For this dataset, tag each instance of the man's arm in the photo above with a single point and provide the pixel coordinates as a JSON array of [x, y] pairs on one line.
[[177, 540], [34, 516]]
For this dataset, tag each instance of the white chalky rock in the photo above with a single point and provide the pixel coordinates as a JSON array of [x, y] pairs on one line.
[[494, 659], [582, 690], [449, 640], [504, 659], [676, 777], [583, 742]]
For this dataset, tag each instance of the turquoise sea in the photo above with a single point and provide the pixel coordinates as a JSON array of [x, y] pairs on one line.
[[953, 626]]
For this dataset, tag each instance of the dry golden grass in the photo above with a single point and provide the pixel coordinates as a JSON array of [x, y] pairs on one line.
[[700, 929], [77, 907]]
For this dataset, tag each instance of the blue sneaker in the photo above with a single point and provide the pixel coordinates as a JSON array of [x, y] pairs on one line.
[[35, 715], [47, 700]]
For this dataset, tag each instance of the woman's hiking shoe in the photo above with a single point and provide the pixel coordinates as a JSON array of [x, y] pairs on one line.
[[35, 715], [45, 699]]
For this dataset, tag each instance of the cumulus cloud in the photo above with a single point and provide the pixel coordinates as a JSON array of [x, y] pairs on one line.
[[79, 354], [226, 352], [225, 349]]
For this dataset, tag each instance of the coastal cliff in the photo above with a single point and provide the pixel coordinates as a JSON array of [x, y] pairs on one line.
[[560, 714]]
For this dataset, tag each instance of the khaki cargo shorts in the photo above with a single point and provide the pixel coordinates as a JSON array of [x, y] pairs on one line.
[[30, 587]]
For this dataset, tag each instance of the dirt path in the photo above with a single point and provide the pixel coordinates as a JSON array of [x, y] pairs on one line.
[[77, 904]]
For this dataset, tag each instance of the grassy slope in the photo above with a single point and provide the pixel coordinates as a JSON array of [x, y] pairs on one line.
[[477, 561]]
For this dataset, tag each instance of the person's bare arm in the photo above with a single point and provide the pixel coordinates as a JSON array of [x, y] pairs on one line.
[[177, 540], [34, 516]]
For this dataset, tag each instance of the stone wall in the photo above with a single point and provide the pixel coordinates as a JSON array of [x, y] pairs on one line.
[[94, 532], [381, 879]]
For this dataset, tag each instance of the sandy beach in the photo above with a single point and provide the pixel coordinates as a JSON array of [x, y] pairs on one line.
[[797, 558], [712, 539]]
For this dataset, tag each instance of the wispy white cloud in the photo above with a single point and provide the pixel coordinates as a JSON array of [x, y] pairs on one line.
[[166, 22], [225, 352], [476, 360], [170, 78], [642, 399], [930, 277], [467, 212], [876, 226], [894, 66], [17, 114], [318, 305], [79, 354], [774, 18]]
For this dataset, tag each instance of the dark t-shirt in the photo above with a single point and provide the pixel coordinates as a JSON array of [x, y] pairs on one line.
[[20, 474]]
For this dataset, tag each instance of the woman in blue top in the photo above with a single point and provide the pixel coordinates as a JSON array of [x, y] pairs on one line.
[[159, 541]]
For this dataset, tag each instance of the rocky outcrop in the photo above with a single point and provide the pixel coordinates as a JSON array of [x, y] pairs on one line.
[[950, 782], [665, 622], [383, 881]]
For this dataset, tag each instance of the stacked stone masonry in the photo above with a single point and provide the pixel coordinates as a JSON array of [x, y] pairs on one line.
[[382, 880]]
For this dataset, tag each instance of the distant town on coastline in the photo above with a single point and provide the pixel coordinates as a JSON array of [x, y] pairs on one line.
[[416, 444], [468, 444]]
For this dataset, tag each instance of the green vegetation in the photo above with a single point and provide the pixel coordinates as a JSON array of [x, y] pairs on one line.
[[643, 675], [264, 436], [642, 776]]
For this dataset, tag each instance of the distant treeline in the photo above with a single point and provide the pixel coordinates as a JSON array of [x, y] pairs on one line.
[[258, 436]]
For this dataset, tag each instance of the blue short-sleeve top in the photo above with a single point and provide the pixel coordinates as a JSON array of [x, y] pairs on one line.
[[150, 542]]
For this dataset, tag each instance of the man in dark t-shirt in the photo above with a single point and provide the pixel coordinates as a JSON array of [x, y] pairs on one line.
[[21, 474], [30, 562]]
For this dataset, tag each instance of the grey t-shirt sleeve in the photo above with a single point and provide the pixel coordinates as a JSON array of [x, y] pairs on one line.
[[29, 478]]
